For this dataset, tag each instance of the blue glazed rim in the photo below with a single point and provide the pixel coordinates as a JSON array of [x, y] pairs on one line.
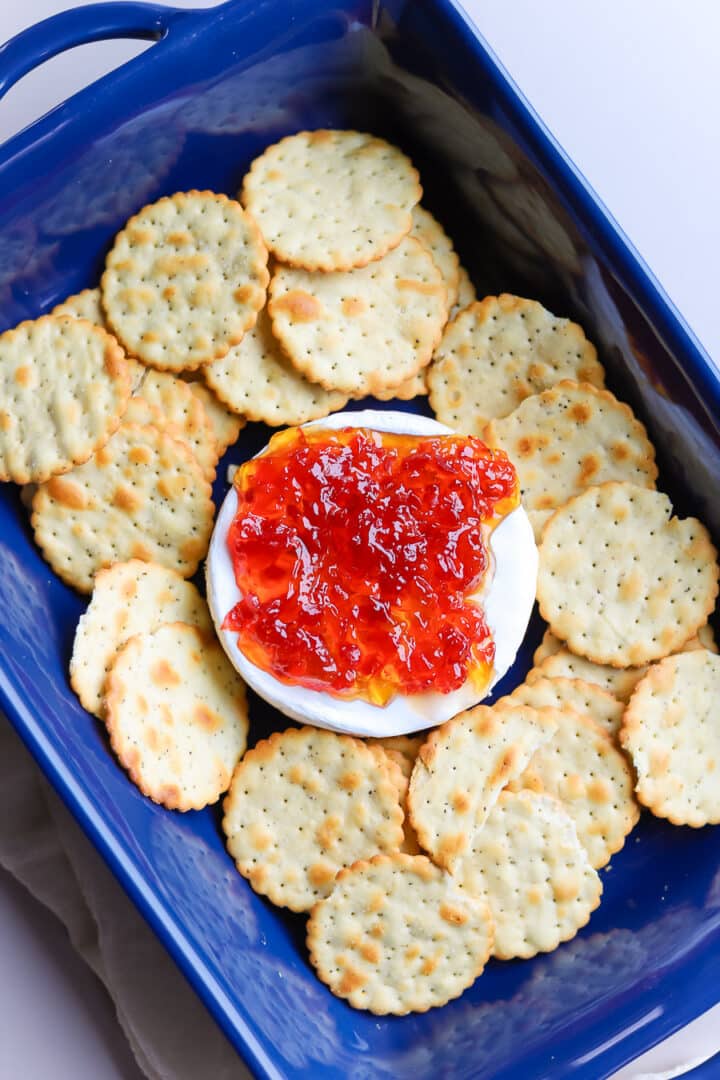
[[171, 29]]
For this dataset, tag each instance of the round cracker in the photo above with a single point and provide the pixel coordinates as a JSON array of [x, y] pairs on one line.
[[128, 598], [671, 732], [528, 865], [185, 279], [183, 416], [553, 660], [257, 379], [397, 935], [64, 384], [331, 200], [364, 331], [226, 425], [582, 767], [567, 438], [86, 305], [462, 767], [176, 714], [499, 351], [582, 697], [303, 804], [428, 230], [141, 496], [620, 579]]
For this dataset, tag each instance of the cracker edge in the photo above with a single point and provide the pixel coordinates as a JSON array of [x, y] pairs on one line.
[[572, 932], [374, 384], [677, 646], [632, 815], [427, 750], [379, 769], [117, 355], [131, 769], [207, 491]]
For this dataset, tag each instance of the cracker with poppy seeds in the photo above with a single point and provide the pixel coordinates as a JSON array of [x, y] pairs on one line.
[[176, 714], [183, 416], [86, 305], [396, 935], [303, 804], [64, 385], [621, 580], [428, 230], [141, 496], [364, 331], [499, 351], [528, 865], [331, 200], [567, 438], [257, 379], [83, 305], [184, 280], [583, 768], [670, 731], [461, 768], [582, 697], [226, 425], [128, 598]]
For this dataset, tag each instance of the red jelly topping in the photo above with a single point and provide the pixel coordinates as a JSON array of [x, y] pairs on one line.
[[356, 553]]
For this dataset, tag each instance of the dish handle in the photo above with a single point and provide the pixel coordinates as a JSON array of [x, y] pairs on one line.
[[80, 26]]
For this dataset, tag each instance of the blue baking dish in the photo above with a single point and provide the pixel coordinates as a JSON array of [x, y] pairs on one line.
[[192, 111]]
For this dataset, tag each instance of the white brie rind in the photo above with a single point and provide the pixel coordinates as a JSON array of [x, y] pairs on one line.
[[507, 597]]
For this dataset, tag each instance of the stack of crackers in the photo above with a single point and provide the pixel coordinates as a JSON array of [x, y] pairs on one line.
[[121, 402], [417, 857]]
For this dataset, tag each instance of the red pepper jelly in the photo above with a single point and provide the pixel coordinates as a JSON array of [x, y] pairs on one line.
[[357, 554]]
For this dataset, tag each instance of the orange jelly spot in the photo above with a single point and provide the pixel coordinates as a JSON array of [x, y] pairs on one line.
[[356, 553]]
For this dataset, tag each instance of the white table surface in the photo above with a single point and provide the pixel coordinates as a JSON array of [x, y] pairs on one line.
[[631, 92]]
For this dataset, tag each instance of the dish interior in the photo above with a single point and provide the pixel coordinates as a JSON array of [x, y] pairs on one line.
[[192, 113]]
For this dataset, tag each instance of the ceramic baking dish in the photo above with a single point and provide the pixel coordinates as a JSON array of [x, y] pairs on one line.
[[192, 111]]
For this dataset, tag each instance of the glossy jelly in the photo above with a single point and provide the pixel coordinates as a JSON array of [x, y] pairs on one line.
[[357, 554]]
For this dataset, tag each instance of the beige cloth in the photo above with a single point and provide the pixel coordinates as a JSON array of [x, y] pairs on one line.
[[170, 1032]]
